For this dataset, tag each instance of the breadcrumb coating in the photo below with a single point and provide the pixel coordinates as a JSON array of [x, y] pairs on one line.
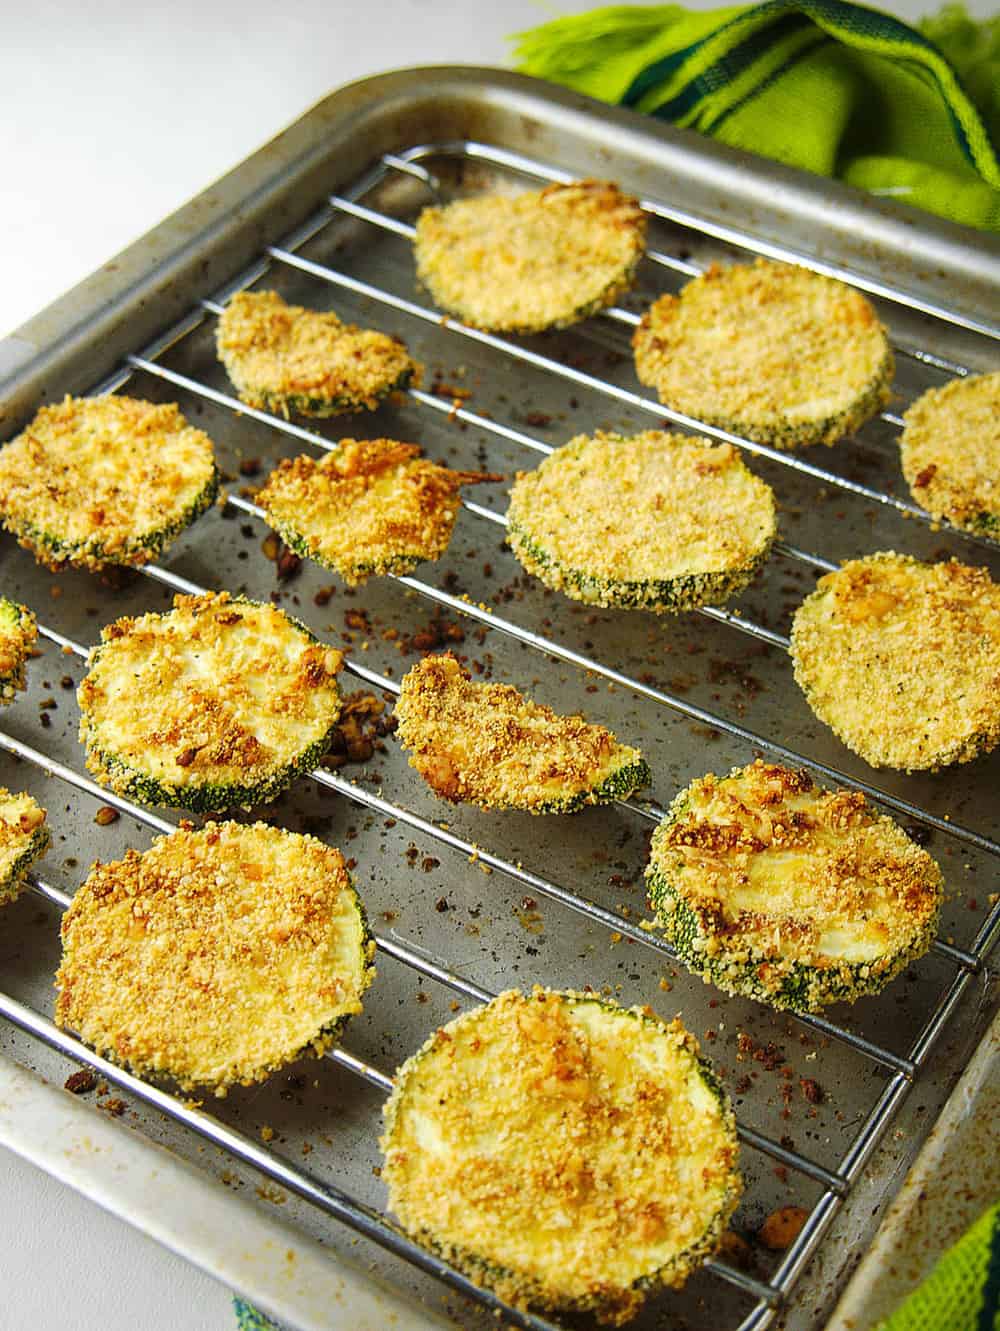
[[24, 838], [18, 635]]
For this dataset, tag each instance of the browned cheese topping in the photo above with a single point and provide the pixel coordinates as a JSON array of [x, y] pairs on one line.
[[18, 635], [215, 956], [23, 838]]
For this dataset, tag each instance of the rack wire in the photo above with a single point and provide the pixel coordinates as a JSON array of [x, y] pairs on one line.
[[965, 963]]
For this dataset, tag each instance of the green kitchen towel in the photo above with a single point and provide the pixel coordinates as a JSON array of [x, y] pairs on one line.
[[835, 88]]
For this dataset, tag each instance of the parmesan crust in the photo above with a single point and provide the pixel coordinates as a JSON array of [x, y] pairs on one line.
[[768, 351], [775, 889], [902, 660], [286, 358], [106, 480], [661, 522], [18, 634], [950, 452], [373, 507], [216, 956], [487, 744], [563, 1151], [218, 702], [543, 259], [24, 838]]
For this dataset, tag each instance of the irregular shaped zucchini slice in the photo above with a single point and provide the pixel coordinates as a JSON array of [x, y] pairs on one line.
[[216, 956], [773, 888], [768, 351], [901, 659], [105, 480], [950, 452], [373, 507], [661, 522], [524, 263], [563, 1151], [487, 744], [18, 634], [286, 358], [24, 838], [221, 701]]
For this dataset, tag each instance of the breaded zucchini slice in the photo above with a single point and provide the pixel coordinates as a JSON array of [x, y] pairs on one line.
[[950, 452], [901, 659], [768, 351], [661, 522], [773, 888], [221, 701], [286, 358], [18, 634], [24, 838], [544, 259], [563, 1151], [216, 956], [487, 744], [373, 507], [105, 480]]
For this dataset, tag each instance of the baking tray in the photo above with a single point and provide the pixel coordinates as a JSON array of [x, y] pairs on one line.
[[832, 1109]]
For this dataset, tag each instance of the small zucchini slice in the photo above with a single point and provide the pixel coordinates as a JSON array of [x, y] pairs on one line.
[[221, 701], [901, 659], [523, 263], [24, 838], [950, 452], [487, 744], [661, 522], [775, 889], [18, 634], [372, 507], [286, 358], [105, 480], [563, 1151], [767, 351], [216, 956]]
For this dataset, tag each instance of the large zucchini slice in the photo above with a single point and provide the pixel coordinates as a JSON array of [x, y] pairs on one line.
[[487, 744], [527, 262], [901, 659], [18, 634], [221, 701], [661, 522], [775, 889], [106, 480], [24, 837], [563, 1151], [768, 351], [216, 956], [286, 358]]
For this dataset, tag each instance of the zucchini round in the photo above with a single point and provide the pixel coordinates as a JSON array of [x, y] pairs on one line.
[[901, 660], [221, 701], [18, 635], [216, 956], [563, 1151], [523, 263], [767, 351], [661, 522], [24, 838], [775, 889], [106, 480], [487, 744]]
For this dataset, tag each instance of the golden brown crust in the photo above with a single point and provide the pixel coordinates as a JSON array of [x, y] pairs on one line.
[[18, 635], [23, 838]]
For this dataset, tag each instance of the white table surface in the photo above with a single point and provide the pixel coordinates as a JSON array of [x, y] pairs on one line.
[[114, 114]]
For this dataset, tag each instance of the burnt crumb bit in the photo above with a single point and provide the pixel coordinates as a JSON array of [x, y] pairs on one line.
[[782, 1227], [324, 595], [811, 1090], [538, 419], [441, 905], [288, 564], [113, 1105], [79, 1083], [105, 815], [919, 833], [66, 682], [429, 863], [437, 633], [249, 467], [360, 730]]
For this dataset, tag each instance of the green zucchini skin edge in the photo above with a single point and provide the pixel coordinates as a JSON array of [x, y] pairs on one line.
[[619, 785], [396, 564], [301, 404], [10, 884], [13, 679]]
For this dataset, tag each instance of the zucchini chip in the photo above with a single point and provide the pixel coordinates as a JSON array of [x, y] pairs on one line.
[[661, 522], [775, 889], [767, 351], [216, 956], [372, 507], [105, 480], [221, 701], [286, 358], [487, 744], [18, 635], [950, 452], [563, 1151], [901, 660], [24, 838], [524, 263]]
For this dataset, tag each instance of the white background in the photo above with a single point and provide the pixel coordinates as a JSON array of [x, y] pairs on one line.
[[114, 114]]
